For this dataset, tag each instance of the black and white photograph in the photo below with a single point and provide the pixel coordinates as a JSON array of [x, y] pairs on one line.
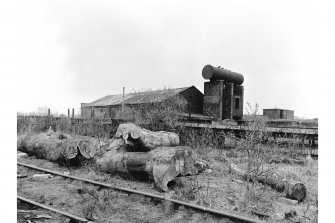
[[167, 111]]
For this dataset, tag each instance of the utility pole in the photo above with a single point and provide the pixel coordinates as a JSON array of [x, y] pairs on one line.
[[123, 102]]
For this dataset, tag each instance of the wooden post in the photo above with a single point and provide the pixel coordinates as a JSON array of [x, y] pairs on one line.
[[123, 99], [72, 113], [189, 104], [68, 113], [122, 109], [221, 102], [232, 101], [49, 121]]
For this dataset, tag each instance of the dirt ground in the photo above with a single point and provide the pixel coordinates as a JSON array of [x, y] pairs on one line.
[[95, 203], [226, 191], [215, 188]]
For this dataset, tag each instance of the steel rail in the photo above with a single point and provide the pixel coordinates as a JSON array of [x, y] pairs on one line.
[[194, 206], [77, 218]]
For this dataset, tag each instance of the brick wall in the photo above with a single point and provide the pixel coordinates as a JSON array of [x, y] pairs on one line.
[[212, 100]]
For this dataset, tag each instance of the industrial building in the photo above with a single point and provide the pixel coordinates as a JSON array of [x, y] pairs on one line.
[[222, 98], [107, 107], [278, 113], [223, 92]]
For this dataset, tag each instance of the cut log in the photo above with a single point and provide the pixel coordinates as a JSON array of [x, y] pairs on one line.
[[287, 160], [87, 147], [293, 189], [44, 146], [162, 165], [69, 149], [144, 140], [117, 144], [57, 146]]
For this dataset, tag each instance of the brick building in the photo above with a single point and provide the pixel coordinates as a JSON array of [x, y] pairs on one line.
[[223, 93]]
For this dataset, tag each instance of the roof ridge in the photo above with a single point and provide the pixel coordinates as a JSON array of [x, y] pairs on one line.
[[143, 97]]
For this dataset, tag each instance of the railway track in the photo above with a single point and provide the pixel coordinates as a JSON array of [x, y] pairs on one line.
[[131, 191], [71, 216]]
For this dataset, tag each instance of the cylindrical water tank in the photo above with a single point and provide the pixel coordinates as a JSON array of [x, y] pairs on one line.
[[216, 73]]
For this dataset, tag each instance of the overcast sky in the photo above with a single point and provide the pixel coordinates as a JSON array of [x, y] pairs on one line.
[[78, 51]]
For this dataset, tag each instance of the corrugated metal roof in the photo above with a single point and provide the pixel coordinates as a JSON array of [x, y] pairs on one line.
[[136, 98]]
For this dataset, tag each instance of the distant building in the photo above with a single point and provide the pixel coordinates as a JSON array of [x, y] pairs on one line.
[[108, 106], [277, 113]]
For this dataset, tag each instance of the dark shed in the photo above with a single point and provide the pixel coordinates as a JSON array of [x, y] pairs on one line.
[[278, 113]]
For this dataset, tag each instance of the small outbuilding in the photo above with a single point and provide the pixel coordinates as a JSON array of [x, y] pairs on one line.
[[278, 113]]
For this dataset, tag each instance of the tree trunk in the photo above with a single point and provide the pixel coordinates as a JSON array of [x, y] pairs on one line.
[[57, 146], [47, 146], [144, 140], [162, 165], [293, 189]]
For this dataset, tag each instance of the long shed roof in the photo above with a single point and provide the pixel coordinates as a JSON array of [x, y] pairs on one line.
[[136, 98]]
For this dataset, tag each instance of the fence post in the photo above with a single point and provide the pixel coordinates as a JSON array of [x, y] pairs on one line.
[[68, 113], [49, 120]]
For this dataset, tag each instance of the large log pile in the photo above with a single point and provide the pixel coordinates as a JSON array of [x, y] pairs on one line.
[[134, 151], [163, 162], [294, 190]]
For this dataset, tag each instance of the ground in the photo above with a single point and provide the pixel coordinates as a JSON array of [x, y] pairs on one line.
[[215, 188], [98, 204]]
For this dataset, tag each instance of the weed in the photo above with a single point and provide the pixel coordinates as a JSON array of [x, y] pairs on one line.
[[195, 190]]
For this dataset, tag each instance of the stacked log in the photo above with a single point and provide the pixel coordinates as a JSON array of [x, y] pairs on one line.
[[162, 164], [145, 155], [134, 151], [145, 140], [294, 190]]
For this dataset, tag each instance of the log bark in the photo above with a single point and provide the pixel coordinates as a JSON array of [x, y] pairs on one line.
[[162, 165], [144, 140], [57, 146], [287, 160], [294, 190], [47, 146]]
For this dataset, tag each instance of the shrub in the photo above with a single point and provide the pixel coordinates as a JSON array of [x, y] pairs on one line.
[[255, 155]]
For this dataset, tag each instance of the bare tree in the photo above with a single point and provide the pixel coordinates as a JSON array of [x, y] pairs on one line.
[[255, 155]]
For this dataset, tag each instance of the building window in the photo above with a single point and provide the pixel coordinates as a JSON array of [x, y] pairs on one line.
[[237, 102]]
